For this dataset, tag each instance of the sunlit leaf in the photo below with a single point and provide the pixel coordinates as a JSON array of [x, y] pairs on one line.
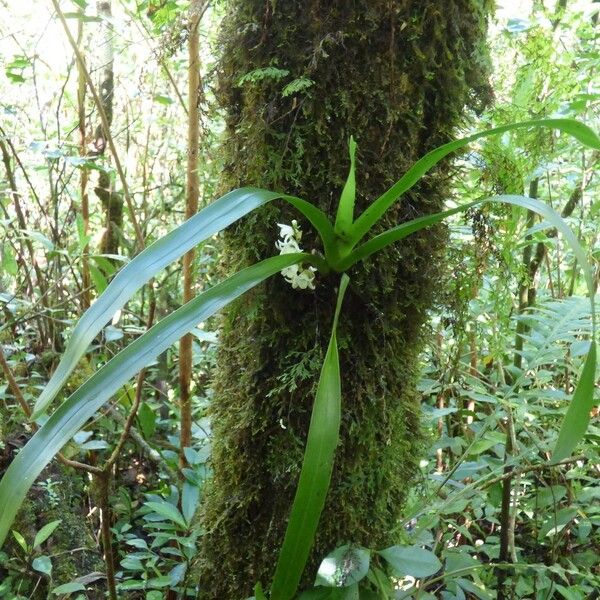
[[66, 420], [316, 470]]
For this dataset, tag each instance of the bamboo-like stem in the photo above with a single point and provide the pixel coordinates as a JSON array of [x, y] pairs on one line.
[[506, 531], [191, 207], [12, 384]]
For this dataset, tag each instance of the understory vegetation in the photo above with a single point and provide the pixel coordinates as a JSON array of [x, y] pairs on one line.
[[380, 386]]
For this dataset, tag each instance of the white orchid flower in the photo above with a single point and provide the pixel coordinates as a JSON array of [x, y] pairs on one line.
[[298, 277]]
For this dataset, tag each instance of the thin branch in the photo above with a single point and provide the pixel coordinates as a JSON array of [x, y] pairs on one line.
[[16, 391], [138, 396], [105, 124]]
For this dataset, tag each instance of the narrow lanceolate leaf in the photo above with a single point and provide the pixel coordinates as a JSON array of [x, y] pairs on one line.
[[396, 234], [345, 212], [405, 229], [578, 415], [155, 258], [372, 214], [315, 476], [66, 420]]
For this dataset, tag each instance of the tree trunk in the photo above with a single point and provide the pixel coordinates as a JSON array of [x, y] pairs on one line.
[[397, 76]]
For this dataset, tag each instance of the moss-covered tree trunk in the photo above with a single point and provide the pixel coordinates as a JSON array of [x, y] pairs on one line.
[[297, 78]]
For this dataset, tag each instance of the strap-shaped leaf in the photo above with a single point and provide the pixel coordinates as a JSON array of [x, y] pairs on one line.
[[549, 214], [577, 418], [398, 233], [68, 418], [578, 414], [315, 476], [155, 258], [373, 213], [345, 212]]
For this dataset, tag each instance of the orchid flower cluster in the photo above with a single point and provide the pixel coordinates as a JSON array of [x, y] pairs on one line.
[[299, 277]]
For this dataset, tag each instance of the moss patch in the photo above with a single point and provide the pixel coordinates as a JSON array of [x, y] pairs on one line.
[[397, 76]]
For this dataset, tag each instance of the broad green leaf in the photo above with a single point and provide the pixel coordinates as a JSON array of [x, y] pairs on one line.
[[177, 574], [42, 564], [345, 566], [83, 239], [577, 418], [315, 474], [190, 496], [373, 213], [412, 560], [193, 457], [321, 593], [147, 420], [69, 588], [40, 238], [99, 280], [345, 212], [331, 593], [21, 541], [167, 510], [9, 263], [476, 590], [45, 532], [556, 522], [156, 257], [66, 420]]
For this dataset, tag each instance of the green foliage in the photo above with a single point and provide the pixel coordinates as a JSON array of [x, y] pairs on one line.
[[274, 339], [28, 565], [323, 433], [315, 476], [160, 543], [66, 421], [263, 73]]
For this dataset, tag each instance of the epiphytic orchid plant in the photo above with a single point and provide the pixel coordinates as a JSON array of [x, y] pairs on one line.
[[343, 246]]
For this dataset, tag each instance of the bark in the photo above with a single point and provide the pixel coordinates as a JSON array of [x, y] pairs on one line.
[[397, 76]]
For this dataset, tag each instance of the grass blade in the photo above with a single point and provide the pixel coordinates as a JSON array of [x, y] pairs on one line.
[[397, 233], [315, 476], [372, 214], [68, 418], [154, 259]]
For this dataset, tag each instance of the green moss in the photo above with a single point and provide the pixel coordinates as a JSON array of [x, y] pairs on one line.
[[397, 76]]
